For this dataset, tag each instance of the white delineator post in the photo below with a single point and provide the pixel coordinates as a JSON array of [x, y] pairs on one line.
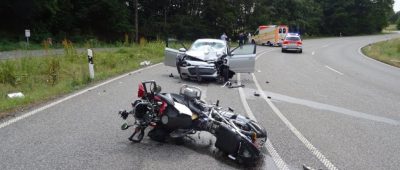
[[27, 35], [91, 64]]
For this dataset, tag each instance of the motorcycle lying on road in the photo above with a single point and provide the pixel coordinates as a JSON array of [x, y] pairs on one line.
[[175, 116]]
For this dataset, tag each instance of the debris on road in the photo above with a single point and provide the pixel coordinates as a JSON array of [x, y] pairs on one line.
[[145, 63], [269, 97], [171, 75], [15, 95], [228, 83], [236, 86], [267, 82], [256, 94]]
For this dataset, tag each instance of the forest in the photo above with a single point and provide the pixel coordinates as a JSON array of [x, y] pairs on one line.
[[114, 20]]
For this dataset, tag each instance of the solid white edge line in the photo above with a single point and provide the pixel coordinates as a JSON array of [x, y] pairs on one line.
[[270, 148], [332, 69], [11, 121], [296, 132]]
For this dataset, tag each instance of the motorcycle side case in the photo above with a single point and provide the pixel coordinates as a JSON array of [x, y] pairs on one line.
[[227, 140]]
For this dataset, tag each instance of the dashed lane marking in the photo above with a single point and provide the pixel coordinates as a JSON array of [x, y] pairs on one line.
[[330, 68], [296, 132], [270, 148]]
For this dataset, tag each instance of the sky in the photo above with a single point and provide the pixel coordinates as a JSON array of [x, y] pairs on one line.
[[396, 5]]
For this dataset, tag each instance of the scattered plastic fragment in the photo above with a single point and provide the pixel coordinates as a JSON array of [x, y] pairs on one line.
[[236, 86], [15, 95], [145, 63], [256, 94]]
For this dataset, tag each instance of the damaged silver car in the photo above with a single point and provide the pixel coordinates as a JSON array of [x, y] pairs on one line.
[[211, 58]]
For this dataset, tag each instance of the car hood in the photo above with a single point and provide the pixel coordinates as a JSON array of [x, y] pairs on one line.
[[205, 54]]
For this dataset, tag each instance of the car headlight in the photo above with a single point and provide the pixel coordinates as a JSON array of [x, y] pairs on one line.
[[185, 64]]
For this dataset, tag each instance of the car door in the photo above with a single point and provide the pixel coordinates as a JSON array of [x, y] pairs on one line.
[[243, 59], [170, 57]]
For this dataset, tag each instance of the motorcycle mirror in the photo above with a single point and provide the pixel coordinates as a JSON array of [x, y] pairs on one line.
[[124, 126], [157, 89]]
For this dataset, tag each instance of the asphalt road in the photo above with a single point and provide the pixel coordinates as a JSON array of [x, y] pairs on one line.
[[329, 108]]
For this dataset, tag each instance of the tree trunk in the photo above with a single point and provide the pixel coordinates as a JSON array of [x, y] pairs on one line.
[[136, 22]]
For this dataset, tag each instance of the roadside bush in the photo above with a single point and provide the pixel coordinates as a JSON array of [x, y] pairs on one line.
[[7, 73], [53, 70], [398, 24]]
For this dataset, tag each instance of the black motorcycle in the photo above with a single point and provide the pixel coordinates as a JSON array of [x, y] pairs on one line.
[[177, 115]]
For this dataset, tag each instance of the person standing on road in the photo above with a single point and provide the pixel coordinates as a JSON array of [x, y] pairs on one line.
[[249, 38], [224, 37], [241, 39]]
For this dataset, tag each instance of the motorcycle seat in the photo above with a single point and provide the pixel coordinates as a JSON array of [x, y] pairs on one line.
[[178, 98], [189, 103]]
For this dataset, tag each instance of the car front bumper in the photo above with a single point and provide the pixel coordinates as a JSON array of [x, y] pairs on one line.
[[198, 71]]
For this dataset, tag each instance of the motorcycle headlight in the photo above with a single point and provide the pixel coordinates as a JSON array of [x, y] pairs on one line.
[[140, 109]]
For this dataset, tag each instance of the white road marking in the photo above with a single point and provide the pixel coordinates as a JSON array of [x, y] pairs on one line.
[[296, 132], [334, 70], [16, 119], [258, 55], [270, 148], [324, 46], [313, 53]]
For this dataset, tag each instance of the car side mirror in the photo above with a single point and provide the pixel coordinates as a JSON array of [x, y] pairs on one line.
[[182, 50]]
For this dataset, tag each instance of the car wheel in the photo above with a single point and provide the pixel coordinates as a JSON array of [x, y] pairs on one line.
[[300, 51], [283, 50]]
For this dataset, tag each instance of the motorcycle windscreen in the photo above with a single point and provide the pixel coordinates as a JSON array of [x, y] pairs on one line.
[[170, 57], [243, 59]]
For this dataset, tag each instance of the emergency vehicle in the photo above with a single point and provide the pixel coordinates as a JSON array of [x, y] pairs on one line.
[[271, 35]]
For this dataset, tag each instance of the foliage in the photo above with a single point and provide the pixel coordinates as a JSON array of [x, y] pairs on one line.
[[111, 20], [398, 24]]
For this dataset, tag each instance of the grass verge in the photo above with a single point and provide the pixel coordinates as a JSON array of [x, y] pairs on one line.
[[385, 51], [44, 78], [22, 45]]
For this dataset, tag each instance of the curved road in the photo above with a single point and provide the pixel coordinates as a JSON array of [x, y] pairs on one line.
[[328, 108]]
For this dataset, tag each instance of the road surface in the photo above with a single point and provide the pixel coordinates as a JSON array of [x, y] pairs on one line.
[[328, 108]]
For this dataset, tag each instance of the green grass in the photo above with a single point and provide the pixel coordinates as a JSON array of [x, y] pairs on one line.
[[8, 46], [44, 78], [92, 43], [385, 51]]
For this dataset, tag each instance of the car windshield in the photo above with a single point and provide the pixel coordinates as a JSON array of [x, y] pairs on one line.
[[201, 45], [293, 38]]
